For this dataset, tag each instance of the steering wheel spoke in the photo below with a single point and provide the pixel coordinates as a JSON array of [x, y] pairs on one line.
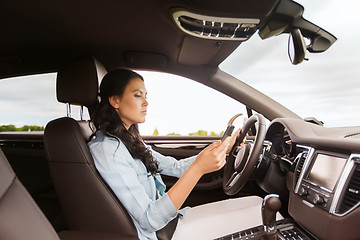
[[234, 177]]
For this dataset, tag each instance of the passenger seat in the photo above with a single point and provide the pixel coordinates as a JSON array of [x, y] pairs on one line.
[[21, 218]]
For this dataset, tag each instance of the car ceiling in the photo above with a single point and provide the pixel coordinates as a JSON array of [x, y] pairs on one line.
[[43, 36]]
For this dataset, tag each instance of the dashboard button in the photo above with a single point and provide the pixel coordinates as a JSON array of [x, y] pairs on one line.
[[303, 192], [319, 199]]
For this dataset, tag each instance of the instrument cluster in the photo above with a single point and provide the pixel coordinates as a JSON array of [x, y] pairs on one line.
[[282, 146]]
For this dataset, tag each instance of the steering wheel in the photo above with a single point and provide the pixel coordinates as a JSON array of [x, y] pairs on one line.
[[243, 157]]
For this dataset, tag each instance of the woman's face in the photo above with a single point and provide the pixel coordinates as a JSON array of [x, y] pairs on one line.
[[132, 105]]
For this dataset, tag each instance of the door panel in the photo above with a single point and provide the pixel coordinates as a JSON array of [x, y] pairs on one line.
[[181, 147]]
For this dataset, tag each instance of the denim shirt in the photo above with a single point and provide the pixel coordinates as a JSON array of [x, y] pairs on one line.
[[134, 186]]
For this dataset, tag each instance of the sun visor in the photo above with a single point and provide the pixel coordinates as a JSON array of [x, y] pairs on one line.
[[203, 50]]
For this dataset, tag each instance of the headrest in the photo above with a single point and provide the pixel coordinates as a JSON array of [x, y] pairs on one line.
[[78, 83]]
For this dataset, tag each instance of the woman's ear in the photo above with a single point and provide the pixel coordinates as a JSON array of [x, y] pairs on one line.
[[114, 101]]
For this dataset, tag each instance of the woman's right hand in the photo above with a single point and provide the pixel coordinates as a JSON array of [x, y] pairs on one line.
[[209, 160], [212, 158]]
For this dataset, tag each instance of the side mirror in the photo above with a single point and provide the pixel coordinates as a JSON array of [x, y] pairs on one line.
[[296, 47]]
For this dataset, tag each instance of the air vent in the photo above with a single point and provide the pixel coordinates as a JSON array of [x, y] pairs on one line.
[[352, 191], [217, 28], [299, 166]]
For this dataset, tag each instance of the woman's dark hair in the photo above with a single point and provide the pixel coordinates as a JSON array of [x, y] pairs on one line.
[[108, 120]]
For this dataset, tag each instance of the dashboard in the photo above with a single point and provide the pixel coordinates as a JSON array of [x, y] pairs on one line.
[[318, 170]]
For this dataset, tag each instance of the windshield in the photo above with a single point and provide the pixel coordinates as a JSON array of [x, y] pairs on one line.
[[326, 86]]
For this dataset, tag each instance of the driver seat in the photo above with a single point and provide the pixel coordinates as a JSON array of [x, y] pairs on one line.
[[87, 201]]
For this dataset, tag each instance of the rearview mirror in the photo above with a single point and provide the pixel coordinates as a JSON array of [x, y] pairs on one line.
[[296, 47]]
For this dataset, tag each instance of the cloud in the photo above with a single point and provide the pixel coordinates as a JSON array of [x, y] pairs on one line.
[[29, 100]]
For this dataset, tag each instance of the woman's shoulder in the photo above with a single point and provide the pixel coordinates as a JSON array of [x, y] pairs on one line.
[[103, 140], [103, 144]]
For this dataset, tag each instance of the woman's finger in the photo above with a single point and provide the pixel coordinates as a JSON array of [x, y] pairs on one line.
[[213, 145], [221, 146]]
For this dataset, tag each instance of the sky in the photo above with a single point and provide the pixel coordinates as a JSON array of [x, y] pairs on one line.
[[326, 87]]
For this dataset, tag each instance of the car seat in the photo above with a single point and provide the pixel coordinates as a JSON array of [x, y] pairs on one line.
[[20, 217], [87, 201]]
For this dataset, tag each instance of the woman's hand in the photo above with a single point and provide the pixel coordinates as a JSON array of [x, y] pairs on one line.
[[233, 140], [213, 157]]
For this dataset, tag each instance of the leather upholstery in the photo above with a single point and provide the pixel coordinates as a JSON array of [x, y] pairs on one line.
[[20, 217], [81, 235], [78, 83], [87, 202]]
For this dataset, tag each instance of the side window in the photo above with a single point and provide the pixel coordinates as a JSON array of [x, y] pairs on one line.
[[180, 106], [177, 106], [28, 103]]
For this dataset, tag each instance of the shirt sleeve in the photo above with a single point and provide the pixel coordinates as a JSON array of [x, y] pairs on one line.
[[119, 170], [171, 166]]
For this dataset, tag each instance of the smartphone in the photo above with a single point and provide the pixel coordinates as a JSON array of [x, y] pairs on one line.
[[228, 132]]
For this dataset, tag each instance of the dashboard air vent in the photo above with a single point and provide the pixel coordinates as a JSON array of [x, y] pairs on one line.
[[352, 191], [217, 28], [299, 166]]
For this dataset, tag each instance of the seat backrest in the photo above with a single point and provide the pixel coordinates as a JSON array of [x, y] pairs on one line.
[[87, 201], [20, 217]]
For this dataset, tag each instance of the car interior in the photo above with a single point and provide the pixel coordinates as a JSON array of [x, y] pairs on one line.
[[50, 189]]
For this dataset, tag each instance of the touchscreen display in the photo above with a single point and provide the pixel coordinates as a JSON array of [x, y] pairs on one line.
[[326, 170]]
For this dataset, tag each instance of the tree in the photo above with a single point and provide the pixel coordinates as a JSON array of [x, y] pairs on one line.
[[25, 128], [156, 132], [8, 128], [199, 133], [174, 134], [31, 128]]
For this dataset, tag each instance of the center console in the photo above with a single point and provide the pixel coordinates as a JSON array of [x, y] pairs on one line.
[[325, 195], [324, 200], [285, 229], [319, 178]]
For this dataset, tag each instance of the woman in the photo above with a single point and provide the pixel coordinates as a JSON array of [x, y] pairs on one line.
[[131, 168]]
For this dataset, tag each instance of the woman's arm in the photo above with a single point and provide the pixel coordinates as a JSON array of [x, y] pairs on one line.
[[209, 160], [176, 168]]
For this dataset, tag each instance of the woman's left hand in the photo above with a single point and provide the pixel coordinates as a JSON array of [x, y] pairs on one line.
[[233, 140]]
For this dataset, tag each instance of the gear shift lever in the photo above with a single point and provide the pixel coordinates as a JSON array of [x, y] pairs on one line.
[[270, 206]]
